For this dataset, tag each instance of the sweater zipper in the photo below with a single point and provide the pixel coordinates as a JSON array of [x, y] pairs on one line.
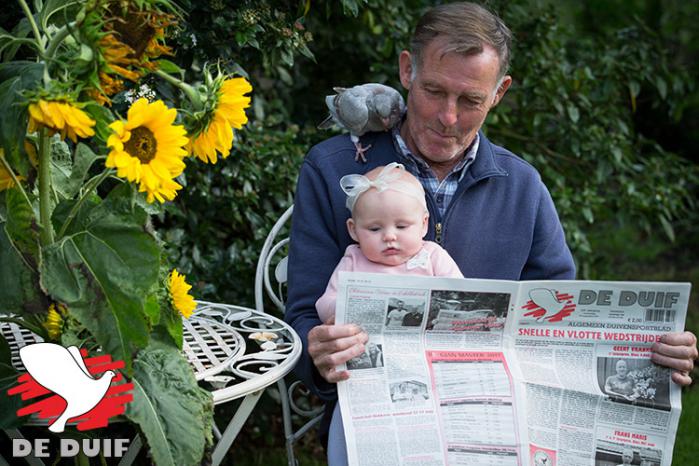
[[438, 233]]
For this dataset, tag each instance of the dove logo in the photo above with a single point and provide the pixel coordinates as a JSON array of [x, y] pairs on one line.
[[548, 305], [83, 391]]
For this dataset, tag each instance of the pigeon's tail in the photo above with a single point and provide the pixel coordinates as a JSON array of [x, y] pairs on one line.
[[327, 123]]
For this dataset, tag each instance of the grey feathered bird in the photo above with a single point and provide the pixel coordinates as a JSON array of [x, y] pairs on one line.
[[362, 109]]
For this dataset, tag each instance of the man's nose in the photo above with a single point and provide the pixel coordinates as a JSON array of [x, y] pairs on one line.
[[449, 115], [389, 235]]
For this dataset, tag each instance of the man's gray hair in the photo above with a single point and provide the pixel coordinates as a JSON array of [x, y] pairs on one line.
[[466, 27]]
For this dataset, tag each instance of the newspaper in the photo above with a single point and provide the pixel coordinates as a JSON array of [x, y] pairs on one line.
[[489, 372]]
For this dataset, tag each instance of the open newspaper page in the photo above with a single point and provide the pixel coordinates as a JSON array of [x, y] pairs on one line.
[[592, 394], [486, 372], [433, 387]]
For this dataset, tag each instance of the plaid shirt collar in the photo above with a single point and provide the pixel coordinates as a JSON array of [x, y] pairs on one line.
[[421, 169]]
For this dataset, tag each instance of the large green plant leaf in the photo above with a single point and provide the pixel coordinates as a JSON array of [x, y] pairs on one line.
[[171, 410], [21, 224], [69, 171], [103, 269], [19, 290], [16, 77]]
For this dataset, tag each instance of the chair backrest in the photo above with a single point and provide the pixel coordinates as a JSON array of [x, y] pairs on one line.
[[273, 255]]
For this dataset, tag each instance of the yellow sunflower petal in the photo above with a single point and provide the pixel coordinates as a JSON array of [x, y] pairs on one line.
[[182, 301]]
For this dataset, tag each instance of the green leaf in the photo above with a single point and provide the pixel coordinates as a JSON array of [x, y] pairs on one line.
[[634, 88], [103, 269], [69, 173], [662, 86], [13, 124], [667, 227], [19, 283], [103, 118], [21, 224], [61, 166], [172, 411], [51, 7], [573, 113], [169, 67]]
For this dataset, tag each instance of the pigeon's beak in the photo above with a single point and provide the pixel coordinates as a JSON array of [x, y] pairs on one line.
[[386, 121]]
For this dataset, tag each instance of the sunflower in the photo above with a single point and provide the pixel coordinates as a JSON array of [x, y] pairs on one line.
[[228, 113], [147, 149], [182, 301], [54, 321], [60, 116], [128, 38]]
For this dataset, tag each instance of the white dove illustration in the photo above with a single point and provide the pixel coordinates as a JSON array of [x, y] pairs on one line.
[[547, 300], [62, 370]]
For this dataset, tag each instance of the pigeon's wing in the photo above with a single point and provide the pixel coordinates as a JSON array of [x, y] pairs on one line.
[[352, 111], [75, 353]]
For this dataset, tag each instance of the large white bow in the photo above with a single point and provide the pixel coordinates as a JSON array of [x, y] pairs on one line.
[[389, 178]]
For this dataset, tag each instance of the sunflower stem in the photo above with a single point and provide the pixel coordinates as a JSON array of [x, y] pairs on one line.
[[32, 23], [56, 41], [9, 170], [93, 183], [45, 188], [188, 90]]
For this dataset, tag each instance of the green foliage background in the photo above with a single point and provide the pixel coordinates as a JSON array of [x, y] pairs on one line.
[[603, 104]]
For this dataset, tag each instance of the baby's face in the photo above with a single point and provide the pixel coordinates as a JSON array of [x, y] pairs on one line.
[[389, 226]]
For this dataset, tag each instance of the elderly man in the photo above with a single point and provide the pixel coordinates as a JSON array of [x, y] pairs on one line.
[[488, 208]]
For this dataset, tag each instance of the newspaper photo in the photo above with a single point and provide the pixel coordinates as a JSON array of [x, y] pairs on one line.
[[503, 373]]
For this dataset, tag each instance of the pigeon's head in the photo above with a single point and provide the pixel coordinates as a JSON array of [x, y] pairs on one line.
[[389, 109]]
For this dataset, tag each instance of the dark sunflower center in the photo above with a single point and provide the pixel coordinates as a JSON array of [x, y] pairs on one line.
[[142, 144], [133, 27]]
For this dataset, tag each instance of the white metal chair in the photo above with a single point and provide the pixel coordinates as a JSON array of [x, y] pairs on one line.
[[294, 397]]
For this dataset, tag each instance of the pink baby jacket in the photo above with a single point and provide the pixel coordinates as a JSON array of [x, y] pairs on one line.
[[432, 261]]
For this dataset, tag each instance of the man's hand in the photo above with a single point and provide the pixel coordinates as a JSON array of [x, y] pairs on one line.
[[331, 345], [677, 350]]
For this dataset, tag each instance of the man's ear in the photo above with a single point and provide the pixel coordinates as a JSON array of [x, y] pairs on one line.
[[502, 88], [405, 68], [351, 229]]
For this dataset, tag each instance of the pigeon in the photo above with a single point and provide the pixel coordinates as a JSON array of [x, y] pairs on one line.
[[62, 371], [362, 109]]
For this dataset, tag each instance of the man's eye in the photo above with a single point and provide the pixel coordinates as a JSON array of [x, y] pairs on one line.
[[471, 103], [374, 229], [401, 227]]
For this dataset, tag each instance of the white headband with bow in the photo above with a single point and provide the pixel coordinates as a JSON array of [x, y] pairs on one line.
[[389, 178]]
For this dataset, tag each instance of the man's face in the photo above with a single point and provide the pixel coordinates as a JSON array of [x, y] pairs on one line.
[[448, 100], [627, 457], [622, 369]]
